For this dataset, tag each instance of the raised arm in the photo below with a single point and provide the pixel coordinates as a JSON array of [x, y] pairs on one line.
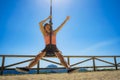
[[67, 18], [41, 24]]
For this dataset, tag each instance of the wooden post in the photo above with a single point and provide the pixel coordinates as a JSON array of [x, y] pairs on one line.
[[115, 61], [68, 60], [2, 66], [38, 67], [94, 68]]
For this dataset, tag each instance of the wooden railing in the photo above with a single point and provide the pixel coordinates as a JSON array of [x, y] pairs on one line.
[[115, 64]]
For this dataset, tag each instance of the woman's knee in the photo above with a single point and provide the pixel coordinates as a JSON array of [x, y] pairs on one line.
[[36, 58], [58, 54], [39, 56]]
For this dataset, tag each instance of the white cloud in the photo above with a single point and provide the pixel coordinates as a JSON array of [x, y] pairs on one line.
[[101, 44]]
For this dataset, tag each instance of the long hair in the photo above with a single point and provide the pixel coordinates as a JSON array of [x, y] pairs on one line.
[[46, 25]]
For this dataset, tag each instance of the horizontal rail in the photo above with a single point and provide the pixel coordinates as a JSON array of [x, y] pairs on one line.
[[64, 67], [72, 56]]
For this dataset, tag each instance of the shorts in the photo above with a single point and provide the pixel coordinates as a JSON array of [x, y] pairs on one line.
[[50, 50]]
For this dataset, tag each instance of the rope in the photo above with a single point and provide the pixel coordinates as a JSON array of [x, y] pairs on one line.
[[50, 22]]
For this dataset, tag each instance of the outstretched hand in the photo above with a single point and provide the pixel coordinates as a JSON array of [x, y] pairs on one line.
[[68, 17]]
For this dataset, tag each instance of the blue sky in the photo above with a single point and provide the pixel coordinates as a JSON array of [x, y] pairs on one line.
[[93, 29]]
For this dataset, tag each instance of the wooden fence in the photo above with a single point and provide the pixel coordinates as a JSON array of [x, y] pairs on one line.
[[115, 64]]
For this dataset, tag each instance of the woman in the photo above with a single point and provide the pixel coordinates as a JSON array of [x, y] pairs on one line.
[[50, 48]]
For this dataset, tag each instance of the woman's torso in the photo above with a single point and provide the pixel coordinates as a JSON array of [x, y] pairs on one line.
[[47, 39]]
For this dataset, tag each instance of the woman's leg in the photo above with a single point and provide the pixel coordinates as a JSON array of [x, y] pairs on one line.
[[37, 58], [61, 58], [33, 63], [64, 63]]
